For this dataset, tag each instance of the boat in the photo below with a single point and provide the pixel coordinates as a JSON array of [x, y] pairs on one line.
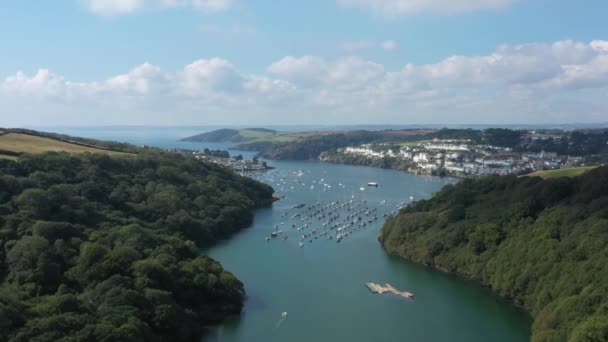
[[274, 234], [374, 184]]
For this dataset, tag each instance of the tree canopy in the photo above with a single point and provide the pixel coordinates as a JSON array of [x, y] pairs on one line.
[[99, 248], [541, 243]]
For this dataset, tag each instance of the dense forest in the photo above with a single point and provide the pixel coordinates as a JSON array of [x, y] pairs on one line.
[[502, 137], [541, 243], [99, 248], [354, 159], [576, 143]]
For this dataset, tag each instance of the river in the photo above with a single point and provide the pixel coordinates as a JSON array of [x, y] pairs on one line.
[[321, 284]]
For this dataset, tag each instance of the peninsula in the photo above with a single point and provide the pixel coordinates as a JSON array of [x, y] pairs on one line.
[[102, 241]]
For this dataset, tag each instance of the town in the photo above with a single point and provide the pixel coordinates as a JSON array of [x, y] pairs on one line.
[[460, 158], [223, 158]]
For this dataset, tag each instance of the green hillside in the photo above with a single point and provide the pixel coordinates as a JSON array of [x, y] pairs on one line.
[[541, 243], [235, 135], [98, 248]]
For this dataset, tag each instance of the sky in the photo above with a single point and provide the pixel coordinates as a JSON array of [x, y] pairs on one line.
[[315, 62]]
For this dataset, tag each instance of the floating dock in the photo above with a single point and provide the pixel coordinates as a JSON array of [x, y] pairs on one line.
[[377, 288]]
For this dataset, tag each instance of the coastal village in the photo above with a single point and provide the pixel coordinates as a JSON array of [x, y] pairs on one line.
[[462, 158], [223, 158]]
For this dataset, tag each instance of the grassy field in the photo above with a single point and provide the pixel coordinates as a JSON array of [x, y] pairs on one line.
[[257, 136], [24, 143], [3, 156], [569, 172], [413, 143]]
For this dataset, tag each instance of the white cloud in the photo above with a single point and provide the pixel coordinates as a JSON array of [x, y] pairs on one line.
[[139, 80], [601, 45], [43, 83], [114, 7], [208, 75], [354, 46], [210, 5], [389, 45], [562, 81], [395, 7], [305, 70], [123, 7], [353, 72]]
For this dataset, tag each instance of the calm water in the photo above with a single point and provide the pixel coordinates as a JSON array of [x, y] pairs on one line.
[[321, 285]]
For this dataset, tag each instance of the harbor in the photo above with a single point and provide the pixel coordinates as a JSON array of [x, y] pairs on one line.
[[291, 261], [321, 285]]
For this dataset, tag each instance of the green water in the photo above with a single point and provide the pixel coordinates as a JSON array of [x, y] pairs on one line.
[[321, 285]]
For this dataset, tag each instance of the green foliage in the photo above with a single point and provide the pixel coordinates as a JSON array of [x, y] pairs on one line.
[[578, 143], [96, 248], [353, 159], [541, 243], [311, 147]]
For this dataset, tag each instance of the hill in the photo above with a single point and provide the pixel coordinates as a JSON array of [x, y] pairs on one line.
[[15, 142], [567, 172], [541, 243], [18, 143], [233, 135], [99, 248], [310, 145]]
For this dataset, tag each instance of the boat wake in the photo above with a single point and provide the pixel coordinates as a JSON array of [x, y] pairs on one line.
[[283, 318]]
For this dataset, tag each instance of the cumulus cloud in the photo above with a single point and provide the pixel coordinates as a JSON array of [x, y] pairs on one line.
[[43, 82], [538, 82], [395, 7], [122, 7], [210, 75], [304, 70], [141, 80], [114, 7]]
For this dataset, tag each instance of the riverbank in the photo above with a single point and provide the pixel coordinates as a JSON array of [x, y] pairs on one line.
[[535, 242], [320, 285], [286, 277]]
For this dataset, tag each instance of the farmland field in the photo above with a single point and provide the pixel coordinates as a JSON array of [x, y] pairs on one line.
[[569, 172], [25, 143]]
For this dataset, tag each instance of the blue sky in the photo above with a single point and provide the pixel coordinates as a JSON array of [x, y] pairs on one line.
[[200, 62]]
